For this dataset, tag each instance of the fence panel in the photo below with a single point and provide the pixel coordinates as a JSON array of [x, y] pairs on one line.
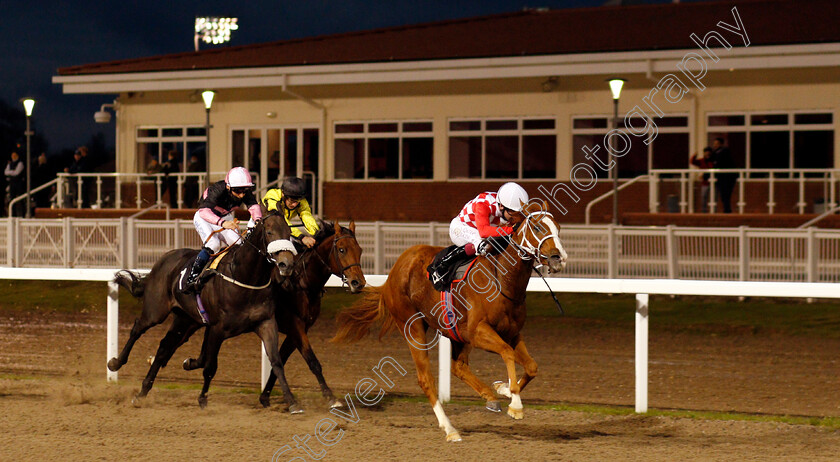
[[791, 255]]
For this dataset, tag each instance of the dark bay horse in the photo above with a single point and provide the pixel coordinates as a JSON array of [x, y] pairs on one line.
[[336, 253], [488, 309], [237, 300]]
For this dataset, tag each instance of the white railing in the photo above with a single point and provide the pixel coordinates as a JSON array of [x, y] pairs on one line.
[[105, 190], [825, 179], [746, 254], [641, 288]]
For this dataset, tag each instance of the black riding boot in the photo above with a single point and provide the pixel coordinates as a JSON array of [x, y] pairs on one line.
[[193, 284], [443, 266]]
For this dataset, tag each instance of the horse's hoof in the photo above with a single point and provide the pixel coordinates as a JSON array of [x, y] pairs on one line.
[[517, 414], [190, 364], [295, 409], [502, 388], [114, 365], [336, 404], [493, 406], [137, 400], [202, 401], [265, 400], [453, 437]]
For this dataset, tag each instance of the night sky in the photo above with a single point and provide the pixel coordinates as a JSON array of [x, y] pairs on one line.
[[38, 37]]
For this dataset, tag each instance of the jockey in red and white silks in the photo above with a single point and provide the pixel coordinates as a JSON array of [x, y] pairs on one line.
[[487, 215]]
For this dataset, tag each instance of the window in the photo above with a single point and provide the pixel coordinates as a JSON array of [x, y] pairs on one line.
[[776, 140], [157, 142], [384, 150], [503, 148], [669, 150]]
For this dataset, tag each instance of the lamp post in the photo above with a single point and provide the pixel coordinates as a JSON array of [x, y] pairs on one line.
[[207, 96], [28, 105], [615, 88]]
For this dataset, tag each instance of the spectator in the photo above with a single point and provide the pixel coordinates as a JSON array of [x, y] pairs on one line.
[[722, 159], [703, 162], [170, 183], [42, 174], [154, 167], [191, 183], [15, 182]]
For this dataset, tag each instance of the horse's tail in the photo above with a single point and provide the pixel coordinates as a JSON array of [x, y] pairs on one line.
[[131, 282], [355, 323]]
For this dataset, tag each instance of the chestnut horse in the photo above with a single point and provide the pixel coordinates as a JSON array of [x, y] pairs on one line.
[[238, 299], [336, 253], [489, 309]]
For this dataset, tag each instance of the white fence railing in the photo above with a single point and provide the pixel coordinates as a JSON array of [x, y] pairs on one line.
[[745, 254], [825, 180], [641, 288]]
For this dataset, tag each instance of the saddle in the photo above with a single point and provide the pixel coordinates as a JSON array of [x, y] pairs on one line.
[[442, 275], [205, 274]]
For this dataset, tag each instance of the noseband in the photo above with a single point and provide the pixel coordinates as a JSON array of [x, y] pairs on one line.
[[526, 250]]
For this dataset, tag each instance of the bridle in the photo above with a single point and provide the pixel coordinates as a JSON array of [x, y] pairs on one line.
[[524, 248], [334, 256], [529, 252]]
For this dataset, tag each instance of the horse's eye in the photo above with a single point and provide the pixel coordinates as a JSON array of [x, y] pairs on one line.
[[341, 251]]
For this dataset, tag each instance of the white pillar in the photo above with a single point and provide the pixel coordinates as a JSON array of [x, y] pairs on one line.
[[641, 353], [445, 366], [113, 325]]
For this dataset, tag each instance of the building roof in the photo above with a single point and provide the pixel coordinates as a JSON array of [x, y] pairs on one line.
[[525, 33]]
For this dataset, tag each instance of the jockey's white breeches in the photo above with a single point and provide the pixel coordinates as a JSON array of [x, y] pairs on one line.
[[462, 233], [205, 230]]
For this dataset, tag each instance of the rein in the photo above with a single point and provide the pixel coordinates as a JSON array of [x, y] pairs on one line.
[[243, 236], [528, 252]]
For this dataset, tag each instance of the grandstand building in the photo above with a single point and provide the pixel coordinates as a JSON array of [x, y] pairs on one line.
[[408, 123]]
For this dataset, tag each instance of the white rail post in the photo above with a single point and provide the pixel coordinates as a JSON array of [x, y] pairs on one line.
[[68, 242], [11, 237], [743, 254], [653, 192], [671, 251], [445, 365], [113, 308], [641, 353], [379, 249]]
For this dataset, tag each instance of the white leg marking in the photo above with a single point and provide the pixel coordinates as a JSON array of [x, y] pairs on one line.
[[515, 401], [502, 388], [443, 422]]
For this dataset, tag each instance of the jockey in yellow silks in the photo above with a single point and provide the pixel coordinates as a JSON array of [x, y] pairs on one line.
[[290, 199]]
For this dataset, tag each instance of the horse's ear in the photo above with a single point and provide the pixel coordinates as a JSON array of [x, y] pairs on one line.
[[336, 228], [535, 205], [263, 208], [352, 226]]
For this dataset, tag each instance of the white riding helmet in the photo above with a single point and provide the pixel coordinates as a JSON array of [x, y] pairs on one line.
[[238, 177], [512, 196]]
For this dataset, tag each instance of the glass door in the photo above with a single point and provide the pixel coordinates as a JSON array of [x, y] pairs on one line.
[[277, 152]]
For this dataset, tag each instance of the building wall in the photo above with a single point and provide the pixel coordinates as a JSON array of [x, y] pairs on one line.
[[424, 200]]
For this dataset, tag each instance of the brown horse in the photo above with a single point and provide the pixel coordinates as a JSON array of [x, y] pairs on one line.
[[238, 300], [489, 309], [336, 252]]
